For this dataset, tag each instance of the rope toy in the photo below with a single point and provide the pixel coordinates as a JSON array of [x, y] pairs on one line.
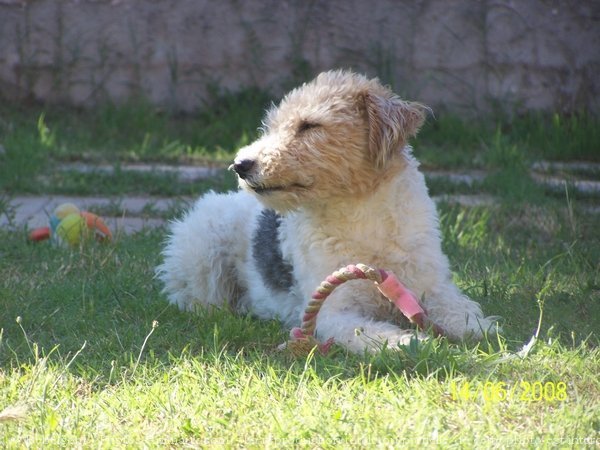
[[302, 339]]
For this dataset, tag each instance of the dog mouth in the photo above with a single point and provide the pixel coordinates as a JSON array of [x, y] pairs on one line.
[[262, 189]]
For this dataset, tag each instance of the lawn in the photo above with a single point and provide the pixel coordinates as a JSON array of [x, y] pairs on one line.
[[92, 355]]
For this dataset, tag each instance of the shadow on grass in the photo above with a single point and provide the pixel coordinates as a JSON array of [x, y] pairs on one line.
[[106, 297], [100, 303]]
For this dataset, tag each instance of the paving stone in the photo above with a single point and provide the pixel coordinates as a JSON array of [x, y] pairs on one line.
[[184, 173], [466, 200], [128, 225], [468, 178], [33, 212], [128, 214], [582, 166], [585, 186], [552, 181], [555, 174], [24, 208]]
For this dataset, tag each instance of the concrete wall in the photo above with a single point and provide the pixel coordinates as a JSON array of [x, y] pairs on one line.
[[464, 55]]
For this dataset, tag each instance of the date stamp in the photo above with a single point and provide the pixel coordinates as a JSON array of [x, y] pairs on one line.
[[499, 391]]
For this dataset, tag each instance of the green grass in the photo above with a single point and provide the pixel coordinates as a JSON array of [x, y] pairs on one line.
[[222, 399], [123, 182], [136, 130], [37, 139], [449, 142], [89, 366], [92, 355]]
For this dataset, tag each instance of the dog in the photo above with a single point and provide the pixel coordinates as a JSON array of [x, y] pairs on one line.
[[331, 181]]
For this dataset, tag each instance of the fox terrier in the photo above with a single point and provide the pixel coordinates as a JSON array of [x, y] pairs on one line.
[[331, 181]]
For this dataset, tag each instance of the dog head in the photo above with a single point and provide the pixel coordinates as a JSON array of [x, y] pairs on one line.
[[338, 136]]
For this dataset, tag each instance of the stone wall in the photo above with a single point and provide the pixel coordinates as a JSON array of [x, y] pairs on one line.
[[463, 55]]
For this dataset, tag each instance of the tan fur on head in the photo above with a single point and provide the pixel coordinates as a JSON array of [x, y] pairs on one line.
[[336, 136]]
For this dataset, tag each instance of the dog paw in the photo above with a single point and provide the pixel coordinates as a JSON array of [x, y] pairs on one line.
[[478, 327], [376, 342]]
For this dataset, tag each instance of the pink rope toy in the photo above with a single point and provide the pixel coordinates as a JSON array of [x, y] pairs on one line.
[[302, 339]]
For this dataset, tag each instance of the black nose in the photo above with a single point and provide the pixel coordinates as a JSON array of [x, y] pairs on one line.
[[243, 167]]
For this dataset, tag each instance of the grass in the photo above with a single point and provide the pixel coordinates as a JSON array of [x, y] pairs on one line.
[[449, 142], [91, 354], [37, 140], [89, 368]]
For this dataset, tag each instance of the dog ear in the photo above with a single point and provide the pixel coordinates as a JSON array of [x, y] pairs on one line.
[[391, 122]]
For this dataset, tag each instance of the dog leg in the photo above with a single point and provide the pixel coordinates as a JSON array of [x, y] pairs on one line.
[[344, 319], [459, 316], [357, 333]]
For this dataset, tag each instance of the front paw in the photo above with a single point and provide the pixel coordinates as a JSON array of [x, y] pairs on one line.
[[374, 342], [476, 327]]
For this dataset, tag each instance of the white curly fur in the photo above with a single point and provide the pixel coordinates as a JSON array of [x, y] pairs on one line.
[[334, 162]]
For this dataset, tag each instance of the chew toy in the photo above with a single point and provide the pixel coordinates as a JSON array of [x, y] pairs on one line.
[[302, 339], [70, 225], [72, 229]]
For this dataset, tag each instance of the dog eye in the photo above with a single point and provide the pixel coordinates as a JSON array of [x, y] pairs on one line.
[[306, 125]]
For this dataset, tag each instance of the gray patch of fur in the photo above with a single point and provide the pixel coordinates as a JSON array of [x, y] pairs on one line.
[[266, 251]]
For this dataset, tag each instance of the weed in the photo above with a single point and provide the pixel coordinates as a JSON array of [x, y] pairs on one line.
[[7, 210], [46, 136]]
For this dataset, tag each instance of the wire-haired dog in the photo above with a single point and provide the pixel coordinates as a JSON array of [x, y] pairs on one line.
[[331, 181]]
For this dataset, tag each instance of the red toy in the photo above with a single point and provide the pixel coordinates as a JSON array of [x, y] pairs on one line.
[[302, 340]]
